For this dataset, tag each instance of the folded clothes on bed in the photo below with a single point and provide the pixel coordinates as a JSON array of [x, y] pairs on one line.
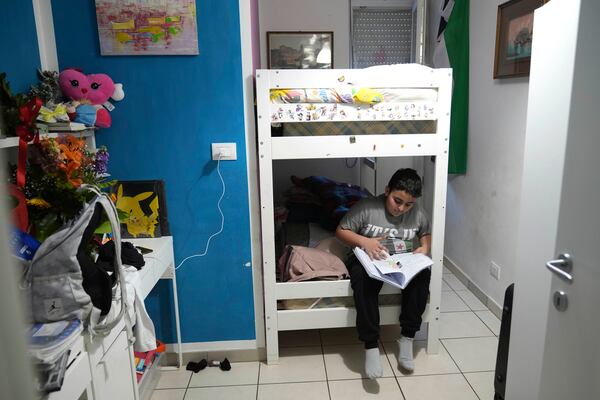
[[299, 263]]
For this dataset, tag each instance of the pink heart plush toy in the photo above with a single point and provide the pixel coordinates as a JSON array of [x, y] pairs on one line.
[[92, 89]]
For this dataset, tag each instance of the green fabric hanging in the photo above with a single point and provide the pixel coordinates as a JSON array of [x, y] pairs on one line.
[[455, 42]]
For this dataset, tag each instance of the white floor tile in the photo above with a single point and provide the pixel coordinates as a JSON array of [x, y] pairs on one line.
[[454, 282], [222, 393], [445, 287], [244, 373], [296, 364], [482, 383], [294, 391], [450, 302], [436, 387], [471, 300], [348, 362], [339, 336], [168, 394], [490, 320], [359, 389], [473, 354], [425, 364], [462, 324], [174, 379], [299, 338]]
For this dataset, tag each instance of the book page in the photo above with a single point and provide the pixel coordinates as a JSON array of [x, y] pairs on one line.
[[406, 262], [397, 269], [396, 279]]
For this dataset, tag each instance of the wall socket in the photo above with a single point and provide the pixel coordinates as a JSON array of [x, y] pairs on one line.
[[495, 270], [228, 151]]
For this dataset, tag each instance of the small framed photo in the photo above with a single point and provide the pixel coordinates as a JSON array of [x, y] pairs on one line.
[[514, 33], [299, 50]]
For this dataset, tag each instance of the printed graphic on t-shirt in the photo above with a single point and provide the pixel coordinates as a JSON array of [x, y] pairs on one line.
[[376, 231]]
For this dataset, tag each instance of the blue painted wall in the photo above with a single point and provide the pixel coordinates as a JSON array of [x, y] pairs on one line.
[[19, 52], [174, 108]]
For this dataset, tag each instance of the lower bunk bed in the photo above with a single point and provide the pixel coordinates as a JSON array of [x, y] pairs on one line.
[[322, 304], [304, 220]]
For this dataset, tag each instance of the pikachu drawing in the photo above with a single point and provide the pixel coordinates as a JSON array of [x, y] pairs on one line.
[[138, 223]]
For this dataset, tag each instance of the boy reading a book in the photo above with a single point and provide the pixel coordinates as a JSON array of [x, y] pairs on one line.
[[395, 214]]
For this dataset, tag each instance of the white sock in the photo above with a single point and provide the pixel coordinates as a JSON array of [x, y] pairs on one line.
[[405, 355], [373, 363]]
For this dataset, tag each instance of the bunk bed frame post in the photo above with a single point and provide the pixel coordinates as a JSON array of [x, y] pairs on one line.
[[265, 166], [438, 219]]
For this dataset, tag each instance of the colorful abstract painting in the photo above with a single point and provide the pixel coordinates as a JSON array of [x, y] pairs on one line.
[[147, 27]]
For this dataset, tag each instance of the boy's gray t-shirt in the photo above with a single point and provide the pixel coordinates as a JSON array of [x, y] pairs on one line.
[[369, 217]]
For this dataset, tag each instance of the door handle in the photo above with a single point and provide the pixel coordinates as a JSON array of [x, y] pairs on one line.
[[562, 266]]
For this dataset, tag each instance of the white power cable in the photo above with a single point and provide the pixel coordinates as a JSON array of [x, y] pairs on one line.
[[222, 218]]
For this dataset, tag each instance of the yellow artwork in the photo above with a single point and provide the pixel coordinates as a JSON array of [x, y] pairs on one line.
[[138, 223], [142, 27]]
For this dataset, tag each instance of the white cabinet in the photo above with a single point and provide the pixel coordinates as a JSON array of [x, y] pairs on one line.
[[77, 377], [111, 357], [113, 377]]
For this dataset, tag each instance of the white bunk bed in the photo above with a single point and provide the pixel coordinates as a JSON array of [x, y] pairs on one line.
[[411, 93]]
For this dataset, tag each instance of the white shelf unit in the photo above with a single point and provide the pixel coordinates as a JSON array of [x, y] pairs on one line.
[[111, 357], [160, 264], [312, 147], [88, 134]]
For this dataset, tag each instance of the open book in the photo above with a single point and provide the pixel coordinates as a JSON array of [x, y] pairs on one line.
[[397, 269]]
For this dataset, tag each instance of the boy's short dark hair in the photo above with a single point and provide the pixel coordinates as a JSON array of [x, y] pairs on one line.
[[406, 179]]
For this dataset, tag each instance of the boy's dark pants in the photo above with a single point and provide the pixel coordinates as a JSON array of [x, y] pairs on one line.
[[366, 292]]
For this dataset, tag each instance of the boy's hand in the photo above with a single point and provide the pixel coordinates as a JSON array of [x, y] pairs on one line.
[[374, 248]]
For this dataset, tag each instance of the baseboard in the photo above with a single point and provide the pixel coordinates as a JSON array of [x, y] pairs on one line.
[[233, 350], [494, 307]]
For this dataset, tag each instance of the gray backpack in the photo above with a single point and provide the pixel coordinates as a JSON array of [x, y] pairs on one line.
[[62, 280]]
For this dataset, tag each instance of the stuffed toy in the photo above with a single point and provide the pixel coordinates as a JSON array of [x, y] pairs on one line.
[[89, 94]]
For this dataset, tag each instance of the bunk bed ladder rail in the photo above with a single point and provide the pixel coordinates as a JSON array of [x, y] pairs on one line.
[[265, 167]]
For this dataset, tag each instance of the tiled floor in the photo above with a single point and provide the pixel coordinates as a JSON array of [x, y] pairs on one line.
[[328, 364]]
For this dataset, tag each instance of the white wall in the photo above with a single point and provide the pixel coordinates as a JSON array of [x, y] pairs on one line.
[[308, 15], [483, 205]]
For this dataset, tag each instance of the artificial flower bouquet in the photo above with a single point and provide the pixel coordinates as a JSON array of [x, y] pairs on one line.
[[56, 169]]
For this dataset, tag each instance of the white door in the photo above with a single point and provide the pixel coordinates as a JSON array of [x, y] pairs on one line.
[[556, 354]]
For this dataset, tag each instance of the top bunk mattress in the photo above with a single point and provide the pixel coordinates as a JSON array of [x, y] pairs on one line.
[[404, 104], [351, 95]]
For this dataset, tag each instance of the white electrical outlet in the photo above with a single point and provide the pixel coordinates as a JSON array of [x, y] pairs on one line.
[[227, 151], [495, 270]]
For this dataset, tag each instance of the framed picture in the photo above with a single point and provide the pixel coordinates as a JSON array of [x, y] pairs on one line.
[[514, 33], [146, 207], [299, 50], [141, 27]]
